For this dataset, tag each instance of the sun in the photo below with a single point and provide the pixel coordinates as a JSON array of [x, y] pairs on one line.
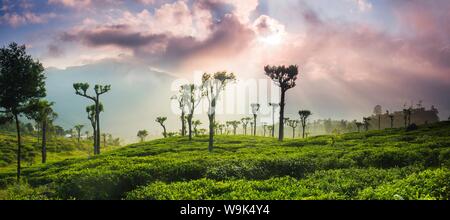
[[273, 39]]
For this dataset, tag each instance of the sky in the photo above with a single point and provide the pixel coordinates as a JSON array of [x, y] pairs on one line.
[[352, 54]]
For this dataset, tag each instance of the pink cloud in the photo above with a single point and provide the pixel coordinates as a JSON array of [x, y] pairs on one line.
[[15, 19]]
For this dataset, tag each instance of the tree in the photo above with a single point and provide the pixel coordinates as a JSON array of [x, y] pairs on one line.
[[359, 125], [161, 121], [293, 124], [44, 115], [274, 107], [195, 124], [78, 128], [255, 110], [104, 135], [378, 111], [142, 134], [366, 123], [245, 122], [212, 86], [285, 78], [192, 95], [271, 128], [221, 128], [304, 115], [81, 90], [234, 124], [182, 102], [407, 116], [90, 110], [22, 81], [264, 129], [391, 116]]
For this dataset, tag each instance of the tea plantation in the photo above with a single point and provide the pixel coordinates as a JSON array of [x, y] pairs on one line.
[[388, 164]]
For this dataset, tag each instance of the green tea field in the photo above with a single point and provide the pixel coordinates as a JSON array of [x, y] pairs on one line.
[[389, 164]]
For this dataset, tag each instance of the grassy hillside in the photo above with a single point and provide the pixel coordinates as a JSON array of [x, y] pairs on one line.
[[389, 164], [57, 148]]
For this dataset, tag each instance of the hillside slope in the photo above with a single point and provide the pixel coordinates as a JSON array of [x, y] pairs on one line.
[[389, 164], [57, 148]]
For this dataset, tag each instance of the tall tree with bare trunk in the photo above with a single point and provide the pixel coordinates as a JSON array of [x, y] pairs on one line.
[[304, 115], [81, 90], [44, 115], [285, 78], [193, 95], [213, 85], [255, 111]]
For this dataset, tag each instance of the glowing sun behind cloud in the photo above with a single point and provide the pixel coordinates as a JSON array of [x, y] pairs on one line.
[[269, 30]]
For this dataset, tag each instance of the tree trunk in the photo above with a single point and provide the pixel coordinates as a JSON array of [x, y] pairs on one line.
[[19, 144], [190, 126], [211, 132], [94, 136], [303, 130], [183, 124], [164, 132], [281, 128], [379, 122], [97, 120], [254, 124], [293, 132], [44, 141]]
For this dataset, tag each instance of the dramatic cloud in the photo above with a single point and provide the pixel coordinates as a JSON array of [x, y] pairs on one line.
[[390, 53], [15, 19]]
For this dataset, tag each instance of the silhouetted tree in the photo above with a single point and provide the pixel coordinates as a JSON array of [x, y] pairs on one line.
[[235, 125], [378, 111], [407, 116], [182, 103], [391, 117], [255, 111], [244, 122], [359, 125], [221, 128], [22, 81], [366, 123], [78, 128], [193, 95], [304, 115], [213, 85], [293, 124], [216, 127], [274, 107], [91, 111], [285, 78], [271, 128], [161, 121], [195, 124], [81, 90], [44, 115], [142, 134]]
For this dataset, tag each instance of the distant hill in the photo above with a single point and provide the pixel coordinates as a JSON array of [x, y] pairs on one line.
[[135, 88]]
